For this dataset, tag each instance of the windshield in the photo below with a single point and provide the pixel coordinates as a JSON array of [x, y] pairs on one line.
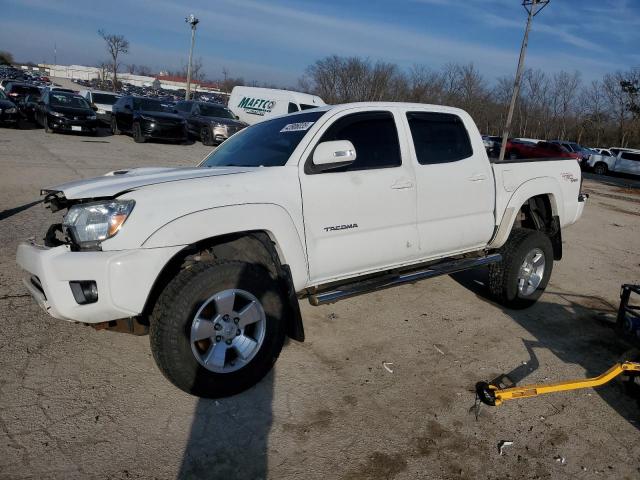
[[215, 111], [148, 105], [266, 144], [104, 98], [66, 100]]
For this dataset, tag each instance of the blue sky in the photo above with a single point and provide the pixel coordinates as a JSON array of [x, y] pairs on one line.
[[273, 41]]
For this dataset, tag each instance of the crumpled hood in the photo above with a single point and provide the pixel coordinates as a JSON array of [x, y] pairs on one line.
[[120, 181]]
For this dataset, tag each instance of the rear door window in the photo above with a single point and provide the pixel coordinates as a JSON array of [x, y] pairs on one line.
[[630, 156], [439, 137]]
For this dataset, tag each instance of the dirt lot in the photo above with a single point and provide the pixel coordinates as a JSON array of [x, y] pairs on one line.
[[79, 403]]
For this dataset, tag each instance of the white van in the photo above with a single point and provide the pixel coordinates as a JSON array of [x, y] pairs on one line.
[[253, 104]]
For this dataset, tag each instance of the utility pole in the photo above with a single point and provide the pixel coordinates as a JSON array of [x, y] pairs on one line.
[[193, 21], [533, 7]]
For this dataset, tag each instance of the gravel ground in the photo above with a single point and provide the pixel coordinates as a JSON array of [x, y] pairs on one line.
[[80, 403]]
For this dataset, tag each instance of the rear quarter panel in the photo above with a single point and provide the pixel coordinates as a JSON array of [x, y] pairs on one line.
[[517, 182]]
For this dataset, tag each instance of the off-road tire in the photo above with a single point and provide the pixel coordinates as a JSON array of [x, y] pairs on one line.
[[600, 169], [503, 276], [136, 133], [173, 313]]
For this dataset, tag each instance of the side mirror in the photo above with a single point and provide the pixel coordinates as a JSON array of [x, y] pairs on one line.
[[335, 154], [94, 108], [237, 117]]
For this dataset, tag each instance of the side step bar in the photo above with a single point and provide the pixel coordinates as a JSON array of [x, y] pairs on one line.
[[390, 280]]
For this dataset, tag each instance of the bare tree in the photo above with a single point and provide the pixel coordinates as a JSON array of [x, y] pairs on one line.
[[556, 106], [617, 100], [116, 45], [103, 71], [144, 70], [197, 70]]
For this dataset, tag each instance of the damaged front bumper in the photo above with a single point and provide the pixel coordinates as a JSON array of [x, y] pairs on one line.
[[123, 278]]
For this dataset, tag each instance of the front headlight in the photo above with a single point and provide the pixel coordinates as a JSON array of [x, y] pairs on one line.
[[11, 110], [57, 114], [91, 117], [89, 224]]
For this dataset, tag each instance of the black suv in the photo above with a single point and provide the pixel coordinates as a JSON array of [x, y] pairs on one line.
[[16, 91], [66, 112], [146, 118], [8, 110], [210, 122]]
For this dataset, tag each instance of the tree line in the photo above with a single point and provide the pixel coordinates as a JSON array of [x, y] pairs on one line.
[[561, 105]]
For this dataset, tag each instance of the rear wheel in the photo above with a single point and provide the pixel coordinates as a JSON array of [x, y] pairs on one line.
[[218, 328], [138, 137], [523, 274], [600, 169]]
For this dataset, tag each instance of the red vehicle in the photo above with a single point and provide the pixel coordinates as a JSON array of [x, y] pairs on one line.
[[521, 149]]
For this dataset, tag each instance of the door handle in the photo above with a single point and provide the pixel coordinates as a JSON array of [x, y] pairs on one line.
[[402, 184], [477, 177]]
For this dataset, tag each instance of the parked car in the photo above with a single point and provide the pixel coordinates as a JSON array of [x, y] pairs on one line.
[[8, 111], [16, 91], [323, 204], [582, 152], [212, 124], [29, 106], [64, 111], [523, 149], [104, 102], [492, 144], [254, 104], [146, 118], [626, 161]]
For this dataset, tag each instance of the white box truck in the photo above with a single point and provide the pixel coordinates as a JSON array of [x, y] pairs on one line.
[[254, 104]]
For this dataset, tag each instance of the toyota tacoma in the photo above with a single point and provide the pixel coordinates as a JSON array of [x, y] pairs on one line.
[[323, 204]]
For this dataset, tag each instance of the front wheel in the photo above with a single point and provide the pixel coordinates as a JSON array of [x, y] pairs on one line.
[[46, 126], [218, 328], [600, 169], [114, 127], [138, 137], [523, 274], [206, 136]]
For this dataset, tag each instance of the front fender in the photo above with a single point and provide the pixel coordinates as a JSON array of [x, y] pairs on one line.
[[213, 222]]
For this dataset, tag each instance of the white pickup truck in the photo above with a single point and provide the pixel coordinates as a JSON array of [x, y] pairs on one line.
[[322, 204], [621, 161]]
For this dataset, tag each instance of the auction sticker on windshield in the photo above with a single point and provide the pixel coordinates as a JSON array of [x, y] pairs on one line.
[[297, 127]]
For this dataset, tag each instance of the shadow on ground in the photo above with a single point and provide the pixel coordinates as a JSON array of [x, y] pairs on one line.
[[579, 330], [4, 214], [229, 438]]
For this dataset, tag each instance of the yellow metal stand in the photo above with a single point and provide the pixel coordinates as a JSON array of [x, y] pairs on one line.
[[494, 396]]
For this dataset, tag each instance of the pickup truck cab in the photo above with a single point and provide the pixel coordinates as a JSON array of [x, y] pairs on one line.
[[622, 161], [321, 204]]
